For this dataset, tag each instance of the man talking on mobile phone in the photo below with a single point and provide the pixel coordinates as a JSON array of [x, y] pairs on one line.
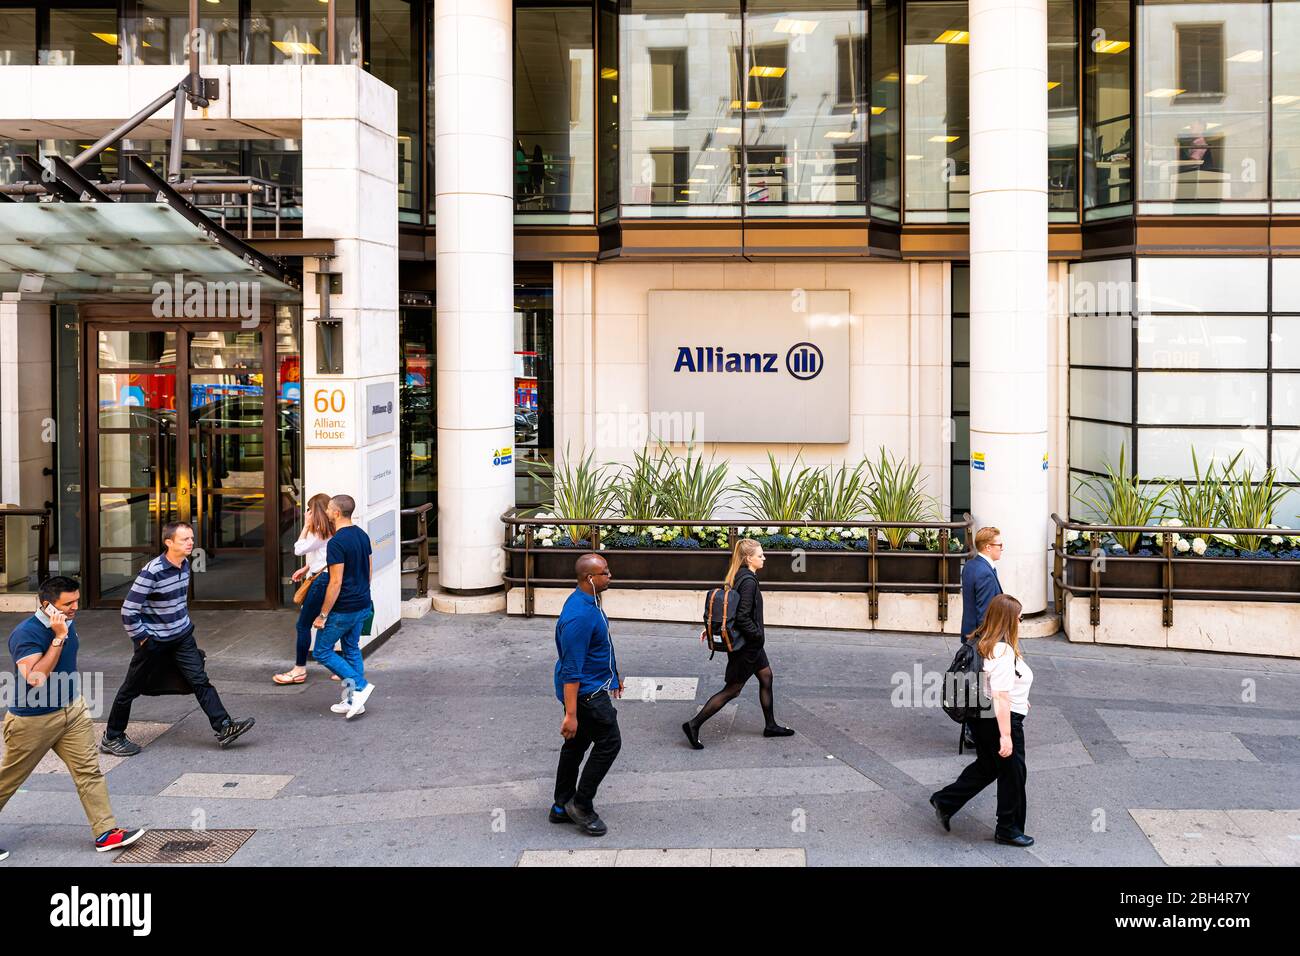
[[586, 678], [49, 712]]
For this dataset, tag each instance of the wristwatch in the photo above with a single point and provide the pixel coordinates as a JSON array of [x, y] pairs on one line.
[[59, 641]]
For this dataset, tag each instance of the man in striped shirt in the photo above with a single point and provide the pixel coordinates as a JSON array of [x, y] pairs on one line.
[[157, 620]]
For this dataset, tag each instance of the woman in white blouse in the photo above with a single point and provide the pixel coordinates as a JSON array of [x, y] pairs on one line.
[[316, 532], [999, 733]]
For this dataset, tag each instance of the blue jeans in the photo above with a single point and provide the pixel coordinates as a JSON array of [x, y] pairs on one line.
[[310, 608], [344, 627]]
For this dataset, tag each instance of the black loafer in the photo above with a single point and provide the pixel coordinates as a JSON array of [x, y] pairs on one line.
[[943, 817], [558, 816], [777, 731], [586, 820], [1019, 840], [692, 735]]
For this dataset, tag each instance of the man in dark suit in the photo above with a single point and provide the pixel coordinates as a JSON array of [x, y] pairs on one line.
[[979, 586]]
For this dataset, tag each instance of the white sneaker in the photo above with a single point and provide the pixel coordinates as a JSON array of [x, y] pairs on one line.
[[342, 707], [359, 699]]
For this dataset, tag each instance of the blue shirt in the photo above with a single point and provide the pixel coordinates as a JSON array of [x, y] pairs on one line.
[[62, 687], [156, 606], [584, 648], [350, 547]]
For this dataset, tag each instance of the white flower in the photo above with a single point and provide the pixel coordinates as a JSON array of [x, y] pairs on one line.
[[1198, 545], [544, 532], [544, 514], [772, 531], [1270, 526], [1117, 547], [1181, 546], [1227, 538], [547, 542], [1071, 536], [1172, 523], [1276, 539]]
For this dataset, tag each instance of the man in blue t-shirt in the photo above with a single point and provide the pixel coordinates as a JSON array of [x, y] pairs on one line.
[[48, 712], [346, 607]]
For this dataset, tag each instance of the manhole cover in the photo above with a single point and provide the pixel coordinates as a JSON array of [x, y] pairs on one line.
[[185, 846]]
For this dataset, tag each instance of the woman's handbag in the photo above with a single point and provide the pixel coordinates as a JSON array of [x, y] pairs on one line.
[[300, 595]]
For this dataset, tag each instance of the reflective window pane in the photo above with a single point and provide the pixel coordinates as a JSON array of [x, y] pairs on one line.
[[1225, 284], [886, 120], [137, 349], [936, 61], [131, 459], [1166, 452], [1286, 99], [805, 99], [1215, 398], [1101, 340], [554, 104], [127, 520], [393, 60], [1101, 394], [681, 126], [118, 571], [1202, 341], [214, 349], [1286, 400], [1203, 83], [1108, 121], [1062, 110], [130, 400], [81, 37], [158, 32], [1094, 446], [232, 400], [295, 31], [18, 37]]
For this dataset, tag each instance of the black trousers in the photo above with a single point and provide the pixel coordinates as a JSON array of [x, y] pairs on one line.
[[597, 729], [1009, 772], [184, 653]]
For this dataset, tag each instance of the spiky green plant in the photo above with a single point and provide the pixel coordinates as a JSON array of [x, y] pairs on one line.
[[639, 488], [692, 490], [840, 494], [1248, 503], [895, 492], [580, 490], [1199, 503], [1122, 499], [781, 497]]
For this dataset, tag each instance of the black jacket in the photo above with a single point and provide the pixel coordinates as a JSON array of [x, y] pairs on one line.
[[749, 613]]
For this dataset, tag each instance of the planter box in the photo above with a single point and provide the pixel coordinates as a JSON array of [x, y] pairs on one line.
[[1127, 572], [680, 568]]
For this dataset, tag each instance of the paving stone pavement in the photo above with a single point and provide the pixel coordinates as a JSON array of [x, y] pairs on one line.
[[1129, 750]]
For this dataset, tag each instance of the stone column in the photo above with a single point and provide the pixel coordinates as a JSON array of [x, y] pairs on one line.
[[349, 160], [474, 120], [1008, 285]]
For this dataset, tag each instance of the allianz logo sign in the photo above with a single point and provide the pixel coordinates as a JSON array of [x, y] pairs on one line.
[[803, 360]]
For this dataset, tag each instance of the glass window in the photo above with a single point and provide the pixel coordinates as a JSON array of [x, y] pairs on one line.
[[296, 31], [936, 61], [1166, 452], [1203, 285], [1108, 120], [804, 97], [393, 35], [534, 390], [1100, 394], [1062, 111], [1286, 101], [1094, 446], [607, 106], [1202, 341], [18, 37], [1203, 85], [885, 140], [1191, 398], [419, 431], [157, 32], [554, 104], [679, 132], [1101, 340], [81, 36]]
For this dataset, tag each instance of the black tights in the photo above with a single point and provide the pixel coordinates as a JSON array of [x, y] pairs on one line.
[[732, 691]]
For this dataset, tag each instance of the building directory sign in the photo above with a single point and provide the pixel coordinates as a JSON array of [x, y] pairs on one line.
[[766, 366], [383, 539], [330, 414], [381, 475], [381, 408]]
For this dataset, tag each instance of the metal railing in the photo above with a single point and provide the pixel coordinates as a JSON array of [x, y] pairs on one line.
[[243, 198], [419, 547], [1167, 561], [42, 528], [871, 581]]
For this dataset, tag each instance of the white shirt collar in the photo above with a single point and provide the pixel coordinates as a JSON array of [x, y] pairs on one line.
[[990, 561]]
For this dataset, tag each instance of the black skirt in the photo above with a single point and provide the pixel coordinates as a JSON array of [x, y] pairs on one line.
[[745, 663]]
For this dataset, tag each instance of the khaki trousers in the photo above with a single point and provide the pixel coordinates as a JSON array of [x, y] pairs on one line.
[[69, 733]]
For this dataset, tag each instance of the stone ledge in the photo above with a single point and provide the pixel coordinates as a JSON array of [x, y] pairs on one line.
[[446, 603], [1226, 627]]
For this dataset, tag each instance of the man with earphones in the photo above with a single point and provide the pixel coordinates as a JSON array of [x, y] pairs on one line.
[[586, 680]]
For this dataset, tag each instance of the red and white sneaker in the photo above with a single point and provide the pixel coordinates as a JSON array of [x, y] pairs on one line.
[[117, 838]]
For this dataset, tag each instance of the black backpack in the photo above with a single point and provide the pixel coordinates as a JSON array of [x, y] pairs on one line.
[[963, 698], [720, 606]]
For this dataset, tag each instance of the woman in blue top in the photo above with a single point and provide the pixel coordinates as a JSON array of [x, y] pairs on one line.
[[751, 659]]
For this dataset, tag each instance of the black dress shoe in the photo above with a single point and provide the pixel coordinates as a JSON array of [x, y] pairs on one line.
[[692, 735], [777, 731], [586, 820], [558, 816], [943, 817], [1018, 840]]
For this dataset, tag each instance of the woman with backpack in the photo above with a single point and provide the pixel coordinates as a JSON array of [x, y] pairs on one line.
[[312, 582], [750, 660], [999, 733]]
